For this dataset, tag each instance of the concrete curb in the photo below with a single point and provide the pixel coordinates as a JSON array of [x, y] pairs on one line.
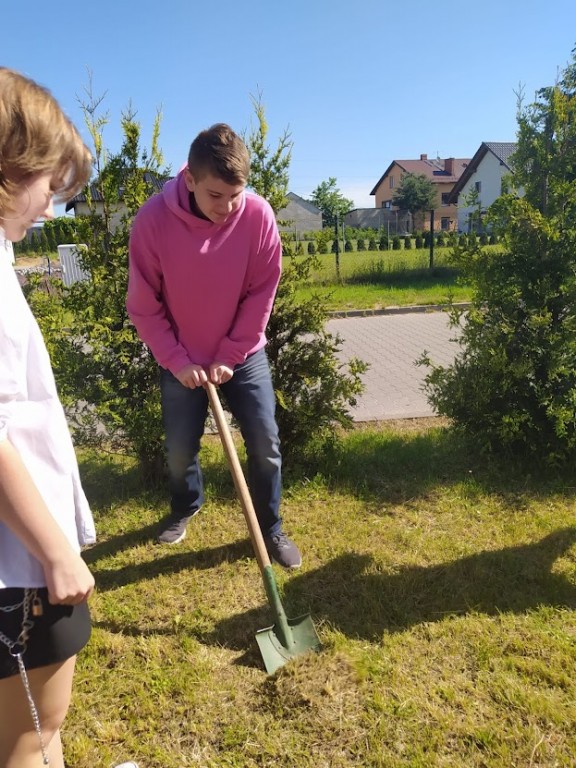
[[399, 310]]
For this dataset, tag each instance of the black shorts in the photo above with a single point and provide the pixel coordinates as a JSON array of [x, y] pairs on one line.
[[58, 634]]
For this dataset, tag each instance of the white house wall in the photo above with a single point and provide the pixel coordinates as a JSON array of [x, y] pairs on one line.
[[490, 172]]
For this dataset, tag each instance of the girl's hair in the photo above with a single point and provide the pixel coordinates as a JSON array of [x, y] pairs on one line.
[[36, 137], [220, 152]]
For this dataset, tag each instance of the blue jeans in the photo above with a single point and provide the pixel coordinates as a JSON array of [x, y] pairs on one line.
[[250, 397]]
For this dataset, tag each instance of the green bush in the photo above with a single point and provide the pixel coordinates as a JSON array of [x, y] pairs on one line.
[[493, 239], [419, 241], [348, 246], [512, 387], [463, 240], [372, 244], [361, 244], [483, 239], [407, 243], [311, 247], [440, 242], [396, 243], [384, 242]]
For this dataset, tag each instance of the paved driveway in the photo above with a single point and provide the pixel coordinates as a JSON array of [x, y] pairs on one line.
[[391, 343]]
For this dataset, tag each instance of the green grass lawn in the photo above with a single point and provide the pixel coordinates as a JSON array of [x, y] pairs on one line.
[[373, 280], [443, 588], [379, 279]]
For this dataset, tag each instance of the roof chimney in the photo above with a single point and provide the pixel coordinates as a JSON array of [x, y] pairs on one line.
[[449, 165], [423, 157]]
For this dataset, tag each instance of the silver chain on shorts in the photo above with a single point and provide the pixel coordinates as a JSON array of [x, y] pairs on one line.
[[17, 648]]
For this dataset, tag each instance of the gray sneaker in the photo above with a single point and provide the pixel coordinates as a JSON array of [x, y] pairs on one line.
[[174, 530], [283, 551]]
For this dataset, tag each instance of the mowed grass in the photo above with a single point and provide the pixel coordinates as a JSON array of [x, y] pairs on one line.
[[378, 279], [443, 588]]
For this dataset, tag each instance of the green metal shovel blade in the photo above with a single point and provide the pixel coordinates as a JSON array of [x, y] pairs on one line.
[[301, 638], [288, 637]]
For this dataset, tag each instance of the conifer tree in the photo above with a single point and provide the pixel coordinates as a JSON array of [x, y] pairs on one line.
[[513, 385]]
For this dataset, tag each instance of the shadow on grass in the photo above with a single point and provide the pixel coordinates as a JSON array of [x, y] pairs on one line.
[[386, 466], [351, 596], [201, 559], [379, 466], [414, 279], [112, 479], [361, 604]]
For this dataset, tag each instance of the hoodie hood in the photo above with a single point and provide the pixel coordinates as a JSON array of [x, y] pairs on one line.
[[176, 196]]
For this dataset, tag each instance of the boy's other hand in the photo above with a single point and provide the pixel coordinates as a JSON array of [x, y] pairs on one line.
[[220, 373]]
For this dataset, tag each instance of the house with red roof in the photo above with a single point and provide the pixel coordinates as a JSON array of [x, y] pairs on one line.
[[444, 174]]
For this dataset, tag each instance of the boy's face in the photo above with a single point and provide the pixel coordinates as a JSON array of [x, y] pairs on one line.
[[216, 199]]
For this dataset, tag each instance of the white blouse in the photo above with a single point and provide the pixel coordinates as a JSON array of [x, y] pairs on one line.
[[33, 419]]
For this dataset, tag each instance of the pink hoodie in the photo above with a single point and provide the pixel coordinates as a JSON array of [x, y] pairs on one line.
[[200, 292]]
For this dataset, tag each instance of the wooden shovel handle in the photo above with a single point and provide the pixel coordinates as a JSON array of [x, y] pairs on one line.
[[238, 477]]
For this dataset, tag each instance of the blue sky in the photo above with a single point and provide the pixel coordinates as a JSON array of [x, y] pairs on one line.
[[357, 84]]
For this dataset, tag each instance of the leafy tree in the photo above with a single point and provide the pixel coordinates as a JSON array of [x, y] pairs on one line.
[[62, 229], [312, 390], [472, 200], [269, 174], [331, 202], [107, 378], [415, 194], [513, 385]]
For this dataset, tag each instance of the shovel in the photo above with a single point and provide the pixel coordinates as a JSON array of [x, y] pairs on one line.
[[287, 638]]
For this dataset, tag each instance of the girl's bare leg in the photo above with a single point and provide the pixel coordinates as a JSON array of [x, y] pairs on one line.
[[51, 690]]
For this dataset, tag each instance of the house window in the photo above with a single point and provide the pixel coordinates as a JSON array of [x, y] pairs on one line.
[[386, 203], [445, 223], [478, 186], [391, 182], [445, 196]]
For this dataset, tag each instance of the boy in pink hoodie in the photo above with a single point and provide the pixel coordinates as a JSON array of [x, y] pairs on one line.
[[205, 261]]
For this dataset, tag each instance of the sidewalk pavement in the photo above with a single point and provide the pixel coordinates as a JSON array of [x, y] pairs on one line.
[[391, 343]]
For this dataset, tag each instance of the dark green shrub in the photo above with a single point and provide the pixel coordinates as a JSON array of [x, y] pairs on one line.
[[419, 241], [440, 242], [384, 242], [348, 246], [483, 239], [463, 240], [493, 239], [396, 243], [311, 247], [372, 244], [512, 386], [407, 243], [361, 244]]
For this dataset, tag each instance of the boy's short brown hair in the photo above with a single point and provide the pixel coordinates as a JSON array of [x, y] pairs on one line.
[[36, 137], [221, 153]]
